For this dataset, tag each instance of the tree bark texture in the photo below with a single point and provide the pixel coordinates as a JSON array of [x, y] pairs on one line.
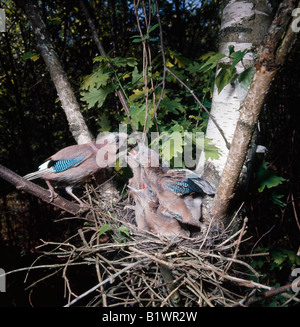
[[38, 191], [244, 24], [66, 95], [271, 55]]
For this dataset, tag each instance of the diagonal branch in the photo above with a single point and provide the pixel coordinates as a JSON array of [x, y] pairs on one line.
[[102, 51], [38, 191]]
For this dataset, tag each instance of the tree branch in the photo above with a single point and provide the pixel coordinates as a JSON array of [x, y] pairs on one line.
[[66, 95], [266, 65], [38, 191], [102, 51]]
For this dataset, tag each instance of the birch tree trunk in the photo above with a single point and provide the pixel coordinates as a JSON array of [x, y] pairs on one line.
[[270, 57], [244, 24], [66, 95]]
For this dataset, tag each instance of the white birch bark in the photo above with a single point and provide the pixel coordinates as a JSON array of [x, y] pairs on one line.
[[244, 23]]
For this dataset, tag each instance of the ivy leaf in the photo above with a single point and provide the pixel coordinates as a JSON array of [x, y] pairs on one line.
[[245, 78]]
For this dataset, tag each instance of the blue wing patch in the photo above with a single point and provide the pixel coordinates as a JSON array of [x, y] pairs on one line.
[[62, 165], [180, 188]]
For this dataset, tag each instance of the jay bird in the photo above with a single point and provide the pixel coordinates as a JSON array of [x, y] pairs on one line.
[[76, 163], [153, 221], [179, 191]]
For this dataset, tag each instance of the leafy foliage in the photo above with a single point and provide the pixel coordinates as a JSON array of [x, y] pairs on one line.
[[267, 178], [227, 68], [176, 112], [119, 234]]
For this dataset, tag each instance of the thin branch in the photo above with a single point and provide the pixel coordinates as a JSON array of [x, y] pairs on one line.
[[118, 91], [201, 105], [162, 49], [272, 292], [109, 279]]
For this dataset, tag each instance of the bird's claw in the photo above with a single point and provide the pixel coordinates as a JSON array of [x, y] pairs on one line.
[[52, 195]]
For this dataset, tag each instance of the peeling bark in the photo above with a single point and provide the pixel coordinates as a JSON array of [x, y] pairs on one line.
[[244, 24], [66, 95], [271, 55]]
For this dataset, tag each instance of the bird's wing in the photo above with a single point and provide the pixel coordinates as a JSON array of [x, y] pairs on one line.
[[200, 185], [69, 157]]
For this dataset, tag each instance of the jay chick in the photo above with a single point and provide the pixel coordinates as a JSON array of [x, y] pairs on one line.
[[156, 222], [174, 187], [76, 163]]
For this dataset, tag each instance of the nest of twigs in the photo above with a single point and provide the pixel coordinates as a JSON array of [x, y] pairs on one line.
[[135, 268]]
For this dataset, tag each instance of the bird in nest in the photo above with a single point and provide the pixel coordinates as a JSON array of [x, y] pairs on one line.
[[178, 192]]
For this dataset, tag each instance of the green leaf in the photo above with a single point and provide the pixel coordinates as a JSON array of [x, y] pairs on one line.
[[172, 145], [174, 106], [95, 80], [97, 96], [237, 56], [123, 62], [153, 28], [267, 178], [245, 78], [104, 228], [212, 62], [104, 123], [230, 49], [276, 199], [102, 59], [124, 230], [278, 257], [137, 114], [211, 151], [30, 55], [225, 76], [193, 68]]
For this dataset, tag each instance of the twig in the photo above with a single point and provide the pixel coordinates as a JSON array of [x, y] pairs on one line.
[[270, 293], [202, 106], [238, 243], [295, 212], [109, 279]]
